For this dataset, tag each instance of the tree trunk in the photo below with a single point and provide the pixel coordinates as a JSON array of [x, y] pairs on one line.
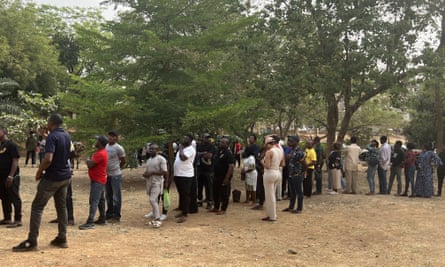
[[438, 109], [332, 120]]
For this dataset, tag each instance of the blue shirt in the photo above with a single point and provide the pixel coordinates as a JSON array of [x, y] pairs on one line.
[[58, 142]]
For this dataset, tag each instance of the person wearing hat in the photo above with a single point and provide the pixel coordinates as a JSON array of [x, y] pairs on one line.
[[97, 171], [116, 161], [9, 180], [295, 173]]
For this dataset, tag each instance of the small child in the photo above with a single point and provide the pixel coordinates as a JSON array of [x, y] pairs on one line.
[[251, 179]]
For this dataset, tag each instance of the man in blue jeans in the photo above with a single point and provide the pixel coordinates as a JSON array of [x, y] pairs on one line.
[[54, 176], [97, 171], [116, 161]]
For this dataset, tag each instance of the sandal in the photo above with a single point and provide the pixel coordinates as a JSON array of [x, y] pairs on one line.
[[26, 245]]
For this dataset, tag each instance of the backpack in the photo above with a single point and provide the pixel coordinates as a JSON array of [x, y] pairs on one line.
[[373, 157]]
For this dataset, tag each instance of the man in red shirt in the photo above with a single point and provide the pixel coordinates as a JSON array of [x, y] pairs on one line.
[[97, 170]]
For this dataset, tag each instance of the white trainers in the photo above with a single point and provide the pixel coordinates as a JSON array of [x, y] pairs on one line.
[[155, 223], [333, 193], [149, 215], [163, 217]]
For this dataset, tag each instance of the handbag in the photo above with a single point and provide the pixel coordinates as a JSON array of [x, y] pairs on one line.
[[166, 199]]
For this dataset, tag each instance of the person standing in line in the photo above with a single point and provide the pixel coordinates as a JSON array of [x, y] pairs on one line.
[[9, 180], [155, 174], [54, 176], [410, 169], [250, 175], [252, 149], [335, 167], [397, 160], [295, 174], [205, 169], [41, 144], [384, 164], [372, 160], [184, 174], [116, 162], [224, 165], [31, 145], [237, 152], [97, 170], [310, 161], [440, 172], [424, 180], [351, 166], [318, 171], [273, 160]]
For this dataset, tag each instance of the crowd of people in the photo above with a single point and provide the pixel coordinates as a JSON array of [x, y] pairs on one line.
[[203, 170]]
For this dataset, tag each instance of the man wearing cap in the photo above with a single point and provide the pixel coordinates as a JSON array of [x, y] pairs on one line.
[[206, 152], [54, 176], [9, 180], [97, 171], [116, 161], [295, 174]]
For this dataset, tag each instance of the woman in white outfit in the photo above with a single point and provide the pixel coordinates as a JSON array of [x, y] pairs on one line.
[[273, 160]]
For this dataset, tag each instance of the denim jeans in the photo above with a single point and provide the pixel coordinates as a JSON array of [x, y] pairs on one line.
[[296, 191], [409, 179], [370, 176], [382, 180], [96, 201], [114, 196], [395, 171], [45, 190]]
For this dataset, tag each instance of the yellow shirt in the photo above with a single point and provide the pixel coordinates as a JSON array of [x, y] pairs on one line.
[[311, 156]]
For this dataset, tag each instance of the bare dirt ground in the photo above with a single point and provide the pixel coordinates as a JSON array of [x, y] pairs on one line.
[[333, 230]]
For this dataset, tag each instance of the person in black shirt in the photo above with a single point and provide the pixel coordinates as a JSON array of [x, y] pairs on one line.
[[54, 177], [224, 164], [206, 153], [9, 180], [397, 159]]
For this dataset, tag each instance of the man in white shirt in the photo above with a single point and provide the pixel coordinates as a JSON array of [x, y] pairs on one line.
[[184, 173], [351, 166], [384, 164]]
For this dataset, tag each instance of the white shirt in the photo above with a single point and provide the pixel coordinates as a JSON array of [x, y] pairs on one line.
[[184, 168], [385, 156]]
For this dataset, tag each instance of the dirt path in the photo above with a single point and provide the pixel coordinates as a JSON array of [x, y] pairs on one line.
[[341, 230]]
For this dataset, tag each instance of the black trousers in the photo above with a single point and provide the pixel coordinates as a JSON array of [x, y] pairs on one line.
[[10, 197], [221, 194], [205, 180], [307, 183], [184, 187], [260, 195], [440, 176]]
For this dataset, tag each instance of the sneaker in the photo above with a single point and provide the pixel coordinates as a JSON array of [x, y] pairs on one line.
[[25, 246], [5, 222], [333, 193], [87, 226], [149, 215], [181, 219], [163, 217], [59, 242], [155, 223], [15, 224], [100, 222]]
